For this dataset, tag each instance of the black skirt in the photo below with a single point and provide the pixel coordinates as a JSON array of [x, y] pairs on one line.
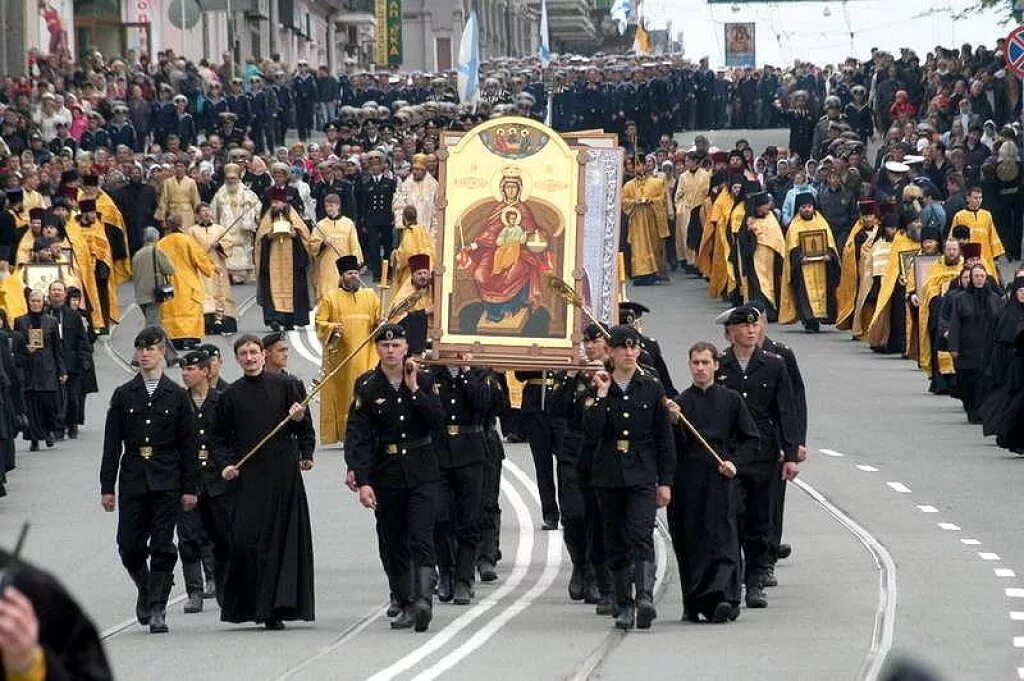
[[43, 414]]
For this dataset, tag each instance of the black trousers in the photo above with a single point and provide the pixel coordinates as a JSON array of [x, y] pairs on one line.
[[594, 527], [544, 435], [780, 511], [74, 402], [379, 242], [145, 530], [968, 380], [757, 498], [43, 413], [405, 527], [457, 531], [490, 508], [628, 514], [303, 120], [209, 522], [573, 507]]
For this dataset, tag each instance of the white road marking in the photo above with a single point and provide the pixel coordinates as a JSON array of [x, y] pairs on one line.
[[1020, 672], [899, 487], [1016, 615], [831, 452], [984, 555], [482, 635], [1014, 592], [950, 527], [296, 340], [1018, 641], [970, 542], [885, 612], [925, 508], [866, 468], [1004, 572], [129, 623], [524, 552]]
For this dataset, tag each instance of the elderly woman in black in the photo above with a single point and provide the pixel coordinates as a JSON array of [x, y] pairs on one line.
[[45, 373], [970, 333]]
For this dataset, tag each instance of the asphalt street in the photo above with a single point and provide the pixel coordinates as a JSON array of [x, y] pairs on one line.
[[903, 527]]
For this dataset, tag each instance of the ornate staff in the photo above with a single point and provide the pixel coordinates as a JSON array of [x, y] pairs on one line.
[[402, 308], [571, 296]]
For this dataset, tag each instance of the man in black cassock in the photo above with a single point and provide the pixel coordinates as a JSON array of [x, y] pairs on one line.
[[702, 514], [270, 570]]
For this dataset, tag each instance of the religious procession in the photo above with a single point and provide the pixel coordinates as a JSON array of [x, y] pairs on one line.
[[470, 266]]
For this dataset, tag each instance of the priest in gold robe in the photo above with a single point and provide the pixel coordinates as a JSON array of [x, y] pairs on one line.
[[282, 265], [237, 208], [344, 319], [931, 237], [888, 331], [761, 251], [220, 313], [87, 233], [414, 239], [417, 319], [850, 271], [810, 274], [715, 242], [333, 237], [182, 315], [692, 205], [983, 231], [935, 361], [179, 195], [114, 226], [646, 210]]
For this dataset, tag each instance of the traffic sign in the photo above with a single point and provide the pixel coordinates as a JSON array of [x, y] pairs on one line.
[[1014, 51]]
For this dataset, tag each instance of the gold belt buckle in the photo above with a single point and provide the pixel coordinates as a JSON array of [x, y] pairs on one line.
[[146, 452], [622, 445], [204, 456], [391, 449], [453, 430]]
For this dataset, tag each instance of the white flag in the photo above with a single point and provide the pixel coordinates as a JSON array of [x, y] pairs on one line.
[[620, 12], [469, 62], [545, 45]]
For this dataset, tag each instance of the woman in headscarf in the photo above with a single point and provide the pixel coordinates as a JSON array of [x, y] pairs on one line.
[[45, 373]]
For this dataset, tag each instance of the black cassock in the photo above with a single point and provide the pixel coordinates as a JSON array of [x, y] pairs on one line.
[[43, 369], [70, 642], [702, 514], [270, 571]]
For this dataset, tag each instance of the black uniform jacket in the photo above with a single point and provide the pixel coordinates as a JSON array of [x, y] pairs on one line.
[[389, 442], [163, 422], [632, 435], [467, 398], [722, 419], [796, 381], [765, 387], [210, 450]]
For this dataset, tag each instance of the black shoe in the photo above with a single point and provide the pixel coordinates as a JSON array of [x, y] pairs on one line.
[[59, 435], [626, 617], [722, 613], [463, 593], [487, 571], [49, 440], [34, 446], [769, 578], [158, 621], [643, 576], [273, 625], [591, 594], [785, 551], [210, 589], [160, 584], [755, 597], [406, 618], [576, 583], [445, 585], [625, 612], [73, 432], [605, 606], [141, 579], [394, 607], [194, 603], [550, 523], [423, 605], [690, 616]]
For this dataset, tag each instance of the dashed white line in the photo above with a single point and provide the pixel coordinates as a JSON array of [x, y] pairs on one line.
[[985, 555], [949, 527], [831, 452], [866, 468], [1014, 592], [1018, 641], [1020, 672], [970, 542], [1017, 616], [898, 487], [1004, 572], [925, 508]]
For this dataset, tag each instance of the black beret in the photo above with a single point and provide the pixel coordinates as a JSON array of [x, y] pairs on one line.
[[592, 332], [149, 336], [623, 336], [389, 332], [961, 232], [744, 314], [194, 358], [761, 199], [630, 311], [210, 349], [274, 337]]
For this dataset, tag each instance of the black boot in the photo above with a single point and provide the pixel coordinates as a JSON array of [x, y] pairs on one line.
[[159, 589], [591, 594], [465, 575], [643, 575], [755, 596], [220, 574], [141, 579], [423, 606], [784, 551], [606, 601], [73, 432], [576, 582], [193, 573], [769, 577], [445, 584], [405, 618], [209, 572], [488, 573], [626, 617]]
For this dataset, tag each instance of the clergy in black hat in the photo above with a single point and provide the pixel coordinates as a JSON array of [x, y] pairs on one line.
[[810, 274]]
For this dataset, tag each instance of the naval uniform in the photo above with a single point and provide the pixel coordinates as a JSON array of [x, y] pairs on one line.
[[544, 432], [389, 446], [494, 453], [765, 386], [466, 397], [149, 442], [374, 219]]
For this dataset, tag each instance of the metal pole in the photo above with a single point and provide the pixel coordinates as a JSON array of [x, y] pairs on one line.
[[231, 37], [183, 29]]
